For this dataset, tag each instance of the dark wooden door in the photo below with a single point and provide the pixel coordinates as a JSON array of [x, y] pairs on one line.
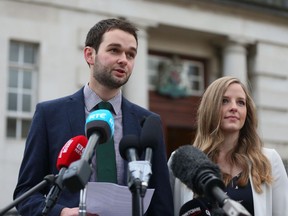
[[178, 117]]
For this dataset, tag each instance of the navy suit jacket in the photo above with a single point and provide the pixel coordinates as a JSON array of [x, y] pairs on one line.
[[54, 123]]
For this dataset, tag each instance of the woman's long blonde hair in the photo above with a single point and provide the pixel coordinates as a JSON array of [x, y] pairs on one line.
[[209, 137]]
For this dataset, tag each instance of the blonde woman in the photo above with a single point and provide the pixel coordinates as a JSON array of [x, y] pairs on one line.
[[227, 133]]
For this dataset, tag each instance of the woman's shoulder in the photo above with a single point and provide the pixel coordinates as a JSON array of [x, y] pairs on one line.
[[270, 153], [274, 158]]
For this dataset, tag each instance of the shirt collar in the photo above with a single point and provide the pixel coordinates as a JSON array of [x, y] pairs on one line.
[[91, 99]]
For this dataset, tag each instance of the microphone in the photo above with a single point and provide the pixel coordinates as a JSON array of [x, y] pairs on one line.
[[149, 139], [150, 136], [202, 176], [99, 128], [129, 148], [195, 207], [71, 151]]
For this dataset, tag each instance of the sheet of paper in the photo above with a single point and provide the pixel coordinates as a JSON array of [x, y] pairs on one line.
[[107, 199]]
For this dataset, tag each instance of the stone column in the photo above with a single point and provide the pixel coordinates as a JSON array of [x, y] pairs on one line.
[[235, 59], [136, 89]]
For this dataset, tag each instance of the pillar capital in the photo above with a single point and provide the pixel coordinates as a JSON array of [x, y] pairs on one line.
[[234, 53], [238, 40]]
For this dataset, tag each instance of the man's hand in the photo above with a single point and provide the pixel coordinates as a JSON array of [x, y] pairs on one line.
[[70, 212], [73, 212]]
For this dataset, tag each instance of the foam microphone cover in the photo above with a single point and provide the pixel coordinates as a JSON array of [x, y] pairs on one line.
[[150, 132], [187, 162], [195, 207], [129, 142], [101, 122], [71, 151]]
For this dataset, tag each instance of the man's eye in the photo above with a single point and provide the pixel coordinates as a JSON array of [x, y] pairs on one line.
[[114, 50], [131, 55]]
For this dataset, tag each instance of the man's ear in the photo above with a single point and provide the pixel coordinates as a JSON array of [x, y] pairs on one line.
[[89, 55]]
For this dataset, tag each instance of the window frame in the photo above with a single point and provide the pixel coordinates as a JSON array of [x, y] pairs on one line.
[[185, 61], [20, 66]]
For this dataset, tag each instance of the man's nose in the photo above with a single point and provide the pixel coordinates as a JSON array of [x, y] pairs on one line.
[[122, 58]]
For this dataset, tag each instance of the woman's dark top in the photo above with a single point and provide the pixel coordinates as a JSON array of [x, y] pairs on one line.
[[242, 195]]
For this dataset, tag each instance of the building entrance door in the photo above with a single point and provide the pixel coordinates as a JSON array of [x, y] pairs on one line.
[[178, 117]]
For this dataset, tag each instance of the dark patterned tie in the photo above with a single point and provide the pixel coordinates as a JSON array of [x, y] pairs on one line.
[[105, 155]]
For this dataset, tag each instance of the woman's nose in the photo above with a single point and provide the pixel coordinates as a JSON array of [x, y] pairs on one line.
[[233, 106]]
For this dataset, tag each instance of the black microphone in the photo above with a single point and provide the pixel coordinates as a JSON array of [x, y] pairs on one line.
[[149, 140], [203, 177], [150, 136], [129, 148], [201, 206], [195, 207], [99, 129]]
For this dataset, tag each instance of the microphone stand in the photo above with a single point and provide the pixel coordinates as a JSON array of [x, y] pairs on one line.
[[82, 203], [137, 201], [49, 179], [77, 175], [216, 210], [139, 174]]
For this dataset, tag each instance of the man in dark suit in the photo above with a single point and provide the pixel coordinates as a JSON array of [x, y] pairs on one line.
[[110, 50]]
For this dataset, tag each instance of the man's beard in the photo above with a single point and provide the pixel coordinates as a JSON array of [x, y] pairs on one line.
[[104, 76]]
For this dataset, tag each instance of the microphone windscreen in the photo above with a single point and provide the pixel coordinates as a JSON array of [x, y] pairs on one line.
[[149, 137], [128, 142], [195, 207], [187, 162], [71, 151], [101, 122]]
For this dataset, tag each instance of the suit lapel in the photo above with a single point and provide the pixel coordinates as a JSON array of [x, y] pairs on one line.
[[131, 123], [76, 113]]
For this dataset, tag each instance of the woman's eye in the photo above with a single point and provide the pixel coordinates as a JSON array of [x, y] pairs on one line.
[[242, 103], [225, 101]]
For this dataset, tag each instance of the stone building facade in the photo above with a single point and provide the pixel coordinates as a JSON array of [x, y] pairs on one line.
[[41, 58]]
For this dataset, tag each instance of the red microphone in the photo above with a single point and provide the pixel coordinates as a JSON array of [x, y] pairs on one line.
[[70, 152]]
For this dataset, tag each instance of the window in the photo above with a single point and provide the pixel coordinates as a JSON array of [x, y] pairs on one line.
[[22, 88], [175, 76]]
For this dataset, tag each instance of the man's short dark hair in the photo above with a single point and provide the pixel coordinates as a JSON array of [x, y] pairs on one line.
[[95, 34]]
